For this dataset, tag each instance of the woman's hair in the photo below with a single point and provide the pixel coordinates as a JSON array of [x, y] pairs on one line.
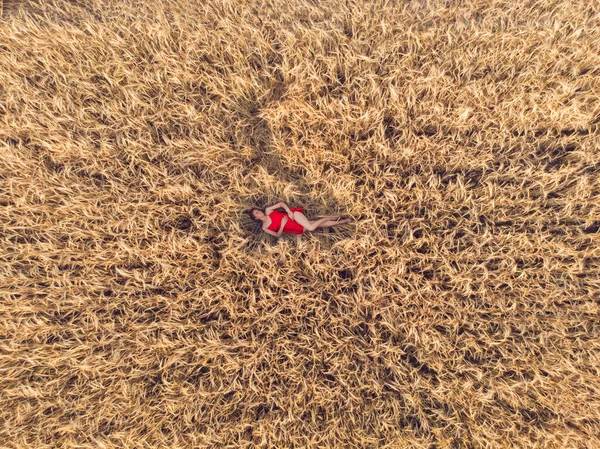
[[250, 212]]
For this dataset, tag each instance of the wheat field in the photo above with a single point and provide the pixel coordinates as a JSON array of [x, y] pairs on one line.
[[141, 307]]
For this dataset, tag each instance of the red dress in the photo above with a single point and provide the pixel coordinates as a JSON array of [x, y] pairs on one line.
[[290, 226]]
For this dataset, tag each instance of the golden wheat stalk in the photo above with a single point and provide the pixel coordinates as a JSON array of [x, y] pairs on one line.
[[140, 306]]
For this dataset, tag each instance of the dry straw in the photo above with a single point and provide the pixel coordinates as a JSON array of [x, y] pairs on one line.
[[140, 308]]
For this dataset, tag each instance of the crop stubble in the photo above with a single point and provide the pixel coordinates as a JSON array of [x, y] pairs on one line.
[[139, 306]]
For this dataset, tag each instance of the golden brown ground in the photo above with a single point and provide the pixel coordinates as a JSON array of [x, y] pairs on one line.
[[138, 308]]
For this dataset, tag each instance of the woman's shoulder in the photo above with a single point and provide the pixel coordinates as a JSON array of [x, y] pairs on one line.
[[268, 222]]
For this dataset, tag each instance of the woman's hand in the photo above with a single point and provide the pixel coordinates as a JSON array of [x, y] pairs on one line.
[[290, 214], [283, 222]]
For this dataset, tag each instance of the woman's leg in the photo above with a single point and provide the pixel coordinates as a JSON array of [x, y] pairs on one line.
[[332, 223], [301, 219], [331, 217]]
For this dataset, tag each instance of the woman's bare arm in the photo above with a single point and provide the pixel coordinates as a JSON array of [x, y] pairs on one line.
[[283, 222], [268, 231], [278, 233], [268, 210]]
